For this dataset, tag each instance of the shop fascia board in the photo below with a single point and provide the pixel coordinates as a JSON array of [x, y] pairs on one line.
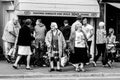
[[61, 7], [75, 2]]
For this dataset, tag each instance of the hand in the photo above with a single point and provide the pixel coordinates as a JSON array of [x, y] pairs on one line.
[[12, 56], [49, 46]]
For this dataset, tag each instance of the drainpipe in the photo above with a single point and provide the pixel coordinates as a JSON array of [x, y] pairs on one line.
[[105, 14]]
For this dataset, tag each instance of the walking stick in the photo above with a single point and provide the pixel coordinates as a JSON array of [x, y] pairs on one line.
[[15, 46]]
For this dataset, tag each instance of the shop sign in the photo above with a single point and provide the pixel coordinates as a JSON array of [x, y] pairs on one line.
[[65, 14], [73, 14]]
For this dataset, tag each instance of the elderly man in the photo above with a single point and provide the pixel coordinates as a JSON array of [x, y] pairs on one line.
[[9, 37]]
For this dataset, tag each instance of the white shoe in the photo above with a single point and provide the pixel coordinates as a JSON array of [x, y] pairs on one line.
[[94, 63], [87, 63]]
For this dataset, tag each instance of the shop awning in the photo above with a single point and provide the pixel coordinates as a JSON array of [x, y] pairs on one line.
[[117, 5], [87, 8]]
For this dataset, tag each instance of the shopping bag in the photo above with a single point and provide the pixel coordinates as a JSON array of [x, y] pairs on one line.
[[64, 61]]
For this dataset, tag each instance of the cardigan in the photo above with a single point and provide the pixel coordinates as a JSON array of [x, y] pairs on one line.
[[25, 38], [61, 41]]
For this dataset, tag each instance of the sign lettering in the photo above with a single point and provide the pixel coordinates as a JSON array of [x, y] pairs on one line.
[[54, 13]]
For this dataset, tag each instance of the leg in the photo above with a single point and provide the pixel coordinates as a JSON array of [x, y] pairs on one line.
[[114, 56], [89, 50], [7, 48], [99, 52], [51, 64], [82, 67], [16, 62], [28, 61], [104, 54], [58, 65], [77, 67], [89, 45]]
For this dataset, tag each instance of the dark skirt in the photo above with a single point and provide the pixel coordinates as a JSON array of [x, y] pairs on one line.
[[80, 56]]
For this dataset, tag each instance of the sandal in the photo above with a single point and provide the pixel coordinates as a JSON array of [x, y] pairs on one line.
[[77, 70], [15, 67], [83, 70], [29, 69]]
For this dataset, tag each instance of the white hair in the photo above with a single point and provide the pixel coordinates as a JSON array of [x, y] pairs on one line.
[[55, 24], [14, 18], [101, 24]]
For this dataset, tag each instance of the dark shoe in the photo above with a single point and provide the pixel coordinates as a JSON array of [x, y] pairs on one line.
[[15, 67], [8, 58], [29, 69], [8, 61], [52, 69], [59, 70]]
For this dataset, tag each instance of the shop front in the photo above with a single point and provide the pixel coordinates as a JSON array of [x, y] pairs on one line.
[[57, 10]]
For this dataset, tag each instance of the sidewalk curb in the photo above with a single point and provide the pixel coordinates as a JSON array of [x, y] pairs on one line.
[[75, 75]]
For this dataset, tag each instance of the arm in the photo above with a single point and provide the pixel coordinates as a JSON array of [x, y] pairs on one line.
[[91, 33], [63, 41], [10, 29], [71, 39], [47, 39], [114, 39], [45, 30]]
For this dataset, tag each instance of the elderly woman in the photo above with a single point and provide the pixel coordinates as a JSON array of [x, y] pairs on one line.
[[79, 48], [101, 43], [56, 43], [24, 43]]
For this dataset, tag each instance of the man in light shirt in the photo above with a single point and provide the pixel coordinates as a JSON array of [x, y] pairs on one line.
[[89, 31], [10, 35]]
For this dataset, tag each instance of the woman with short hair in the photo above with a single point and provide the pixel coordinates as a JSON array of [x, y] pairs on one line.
[[111, 50], [56, 44], [24, 43], [101, 43]]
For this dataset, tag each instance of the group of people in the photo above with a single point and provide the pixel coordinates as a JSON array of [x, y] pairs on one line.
[[77, 38]]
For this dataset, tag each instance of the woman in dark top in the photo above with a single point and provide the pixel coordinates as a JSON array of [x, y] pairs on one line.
[[24, 43]]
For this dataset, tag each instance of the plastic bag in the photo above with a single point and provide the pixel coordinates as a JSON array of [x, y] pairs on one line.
[[64, 61]]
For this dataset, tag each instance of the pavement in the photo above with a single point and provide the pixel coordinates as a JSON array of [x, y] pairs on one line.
[[42, 73]]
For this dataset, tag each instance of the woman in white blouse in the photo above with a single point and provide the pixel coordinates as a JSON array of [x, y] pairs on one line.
[[79, 48]]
